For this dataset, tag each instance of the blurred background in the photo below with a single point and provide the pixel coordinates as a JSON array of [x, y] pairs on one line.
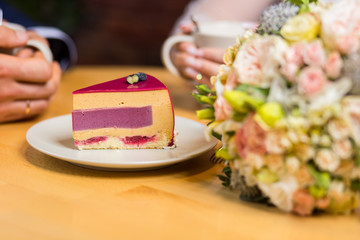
[[127, 32]]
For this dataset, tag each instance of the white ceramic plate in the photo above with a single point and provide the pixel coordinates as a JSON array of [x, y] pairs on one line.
[[54, 137]]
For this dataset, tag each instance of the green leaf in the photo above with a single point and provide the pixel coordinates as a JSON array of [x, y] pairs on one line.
[[317, 192], [322, 182], [225, 178], [355, 185], [356, 152], [238, 117], [301, 2], [216, 135], [322, 179], [231, 133], [295, 2], [226, 184], [227, 171]]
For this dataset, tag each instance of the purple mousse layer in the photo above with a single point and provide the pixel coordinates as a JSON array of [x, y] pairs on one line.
[[125, 117], [120, 85]]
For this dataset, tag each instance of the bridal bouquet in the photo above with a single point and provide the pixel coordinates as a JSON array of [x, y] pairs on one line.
[[286, 109]]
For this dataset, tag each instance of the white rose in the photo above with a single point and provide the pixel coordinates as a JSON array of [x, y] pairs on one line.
[[281, 192], [327, 160]]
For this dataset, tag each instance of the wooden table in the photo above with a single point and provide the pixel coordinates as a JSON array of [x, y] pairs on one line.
[[42, 197]]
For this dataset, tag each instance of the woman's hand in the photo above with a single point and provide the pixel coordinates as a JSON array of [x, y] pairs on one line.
[[28, 82], [196, 63]]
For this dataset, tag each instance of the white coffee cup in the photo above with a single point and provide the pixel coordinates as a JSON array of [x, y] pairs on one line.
[[39, 45], [216, 34]]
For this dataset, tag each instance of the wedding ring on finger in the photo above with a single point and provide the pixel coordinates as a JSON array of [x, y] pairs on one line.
[[27, 108], [198, 77]]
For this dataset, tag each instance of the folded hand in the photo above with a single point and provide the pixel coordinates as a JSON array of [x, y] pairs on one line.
[[193, 62], [27, 81]]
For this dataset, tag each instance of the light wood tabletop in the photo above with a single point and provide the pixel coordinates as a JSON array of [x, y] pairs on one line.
[[42, 197]]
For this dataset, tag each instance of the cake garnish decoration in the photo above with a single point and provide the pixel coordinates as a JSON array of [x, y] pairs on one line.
[[134, 78], [142, 76], [131, 79]]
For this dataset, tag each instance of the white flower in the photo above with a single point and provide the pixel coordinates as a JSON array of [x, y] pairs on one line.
[[281, 192], [327, 160], [304, 152], [341, 26], [325, 141], [343, 148], [219, 88], [254, 160], [331, 94], [336, 186], [297, 122], [276, 142], [230, 145], [259, 58], [275, 162], [293, 136], [246, 171], [351, 114], [355, 173], [338, 129], [292, 164], [227, 126]]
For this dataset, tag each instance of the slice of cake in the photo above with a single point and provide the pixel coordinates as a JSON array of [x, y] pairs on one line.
[[133, 112]]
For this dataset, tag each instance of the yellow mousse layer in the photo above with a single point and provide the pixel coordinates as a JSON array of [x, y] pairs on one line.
[[160, 132]]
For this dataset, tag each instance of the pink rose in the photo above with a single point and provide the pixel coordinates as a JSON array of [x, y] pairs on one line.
[[295, 54], [293, 61], [250, 138], [222, 109], [341, 26], [314, 54], [334, 65], [289, 71], [304, 203], [348, 43], [311, 80]]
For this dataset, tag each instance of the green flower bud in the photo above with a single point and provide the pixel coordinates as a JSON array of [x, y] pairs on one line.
[[204, 89], [224, 154], [241, 101], [317, 192], [206, 113], [270, 113], [266, 176]]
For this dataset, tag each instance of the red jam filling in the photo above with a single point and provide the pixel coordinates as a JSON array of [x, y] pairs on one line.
[[91, 140], [138, 140]]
